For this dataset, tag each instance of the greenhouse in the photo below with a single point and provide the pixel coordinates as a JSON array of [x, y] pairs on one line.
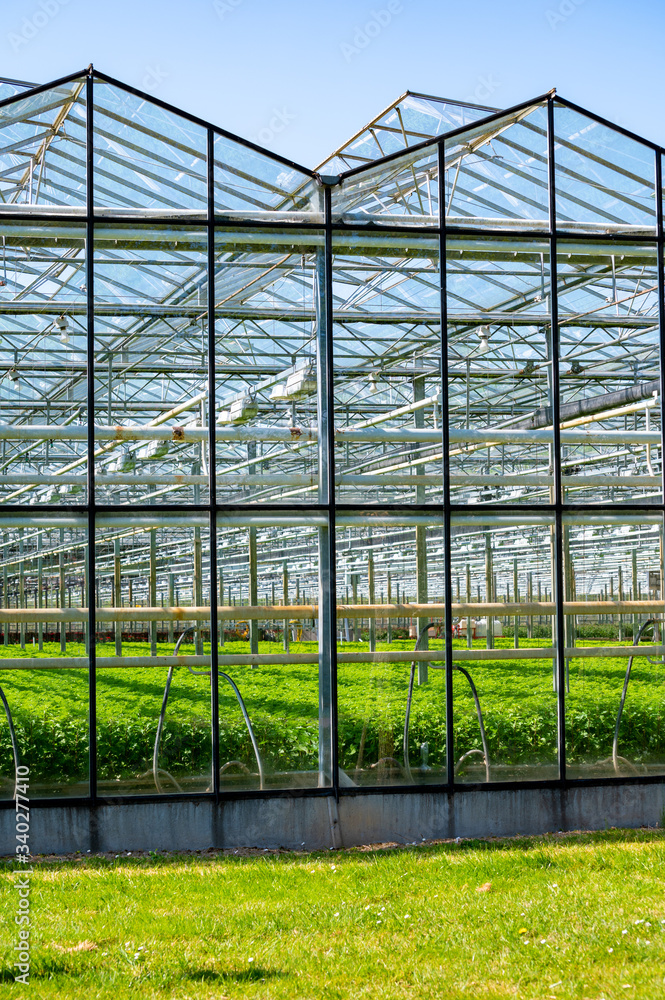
[[322, 487]]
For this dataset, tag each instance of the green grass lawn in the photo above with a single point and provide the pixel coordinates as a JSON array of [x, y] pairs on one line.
[[518, 702], [575, 916]]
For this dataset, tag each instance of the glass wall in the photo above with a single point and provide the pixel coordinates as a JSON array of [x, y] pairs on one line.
[[341, 482]]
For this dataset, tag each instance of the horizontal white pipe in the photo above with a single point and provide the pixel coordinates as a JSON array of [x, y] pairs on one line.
[[271, 612], [300, 435], [433, 657], [364, 479]]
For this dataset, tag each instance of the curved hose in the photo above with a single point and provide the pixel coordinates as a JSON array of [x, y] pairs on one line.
[[479, 714], [615, 743], [481, 724], [259, 762], [12, 733], [156, 770], [407, 714]]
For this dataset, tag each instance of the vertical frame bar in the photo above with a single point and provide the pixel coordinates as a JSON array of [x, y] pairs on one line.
[[212, 468], [556, 453], [445, 443], [90, 373], [660, 264], [328, 748]]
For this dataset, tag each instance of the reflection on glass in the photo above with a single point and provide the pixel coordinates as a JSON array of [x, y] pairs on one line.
[[605, 181], [153, 655], [42, 150], [44, 661], [504, 675], [252, 185], [407, 122], [614, 702], [391, 696], [147, 159], [498, 171], [401, 192]]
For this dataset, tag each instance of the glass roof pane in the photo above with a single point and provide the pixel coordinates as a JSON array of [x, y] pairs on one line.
[[11, 88], [401, 192], [42, 149], [252, 185], [605, 181], [498, 171], [146, 158], [407, 122]]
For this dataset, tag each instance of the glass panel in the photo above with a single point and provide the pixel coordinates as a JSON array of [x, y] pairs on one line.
[[44, 654], [504, 688], [387, 368], [146, 159], [605, 181], [42, 150], [267, 317], [252, 185], [151, 364], [609, 373], [269, 657], [615, 713], [406, 123], [43, 369], [498, 171], [401, 192], [149, 566], [389, 564], [499, 370]]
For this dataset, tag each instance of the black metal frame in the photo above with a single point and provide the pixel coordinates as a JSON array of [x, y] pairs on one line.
[[327, 503]]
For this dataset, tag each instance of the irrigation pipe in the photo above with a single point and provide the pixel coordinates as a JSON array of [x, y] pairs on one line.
[[615, 744], [407, 715], [12, 733], [156, 770]]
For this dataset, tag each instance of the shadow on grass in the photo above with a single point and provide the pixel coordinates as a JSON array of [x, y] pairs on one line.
[[45, 969], [251, 975]]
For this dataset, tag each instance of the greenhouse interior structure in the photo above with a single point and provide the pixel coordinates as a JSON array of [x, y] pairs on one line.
[[331, 506]]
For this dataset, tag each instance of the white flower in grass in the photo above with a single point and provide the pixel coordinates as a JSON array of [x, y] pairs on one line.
[[250, 959], [610, 950]]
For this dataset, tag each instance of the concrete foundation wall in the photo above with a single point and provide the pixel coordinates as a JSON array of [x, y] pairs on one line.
[[318, 822]]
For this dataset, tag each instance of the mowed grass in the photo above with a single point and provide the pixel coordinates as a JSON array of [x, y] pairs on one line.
[[571, 916]]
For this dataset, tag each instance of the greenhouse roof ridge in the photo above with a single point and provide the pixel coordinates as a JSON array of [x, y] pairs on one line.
[[493, 116]]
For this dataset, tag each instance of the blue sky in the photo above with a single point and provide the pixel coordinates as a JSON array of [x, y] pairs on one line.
[[300, 76]]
